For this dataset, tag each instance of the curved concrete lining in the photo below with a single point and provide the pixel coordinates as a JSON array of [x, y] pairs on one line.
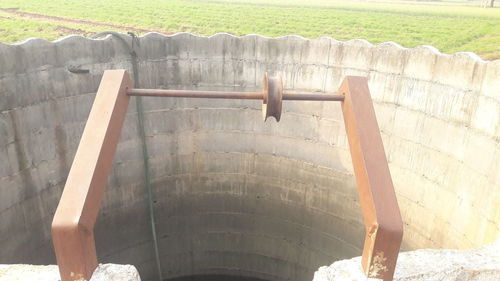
[[233, 195]]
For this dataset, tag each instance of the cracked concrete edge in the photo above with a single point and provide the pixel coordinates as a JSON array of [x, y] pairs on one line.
[[481, 264], [104, 272]]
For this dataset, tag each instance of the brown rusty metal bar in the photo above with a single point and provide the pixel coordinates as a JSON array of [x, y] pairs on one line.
[[313, 97], [230, 95], [73, 224], [195, 94], [382, 218]]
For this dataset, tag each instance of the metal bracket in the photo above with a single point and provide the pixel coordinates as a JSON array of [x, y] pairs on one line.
[[76, 214]]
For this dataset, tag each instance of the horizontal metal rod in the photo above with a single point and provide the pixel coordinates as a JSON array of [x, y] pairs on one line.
[[229, 95], [313, 97], [195, 94]]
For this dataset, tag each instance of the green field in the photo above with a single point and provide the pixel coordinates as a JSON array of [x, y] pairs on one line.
[[447, 25]]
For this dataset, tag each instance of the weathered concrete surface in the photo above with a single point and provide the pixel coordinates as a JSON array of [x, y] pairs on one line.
[[234, 195], [104, 272], [115, 272], [426, 265]]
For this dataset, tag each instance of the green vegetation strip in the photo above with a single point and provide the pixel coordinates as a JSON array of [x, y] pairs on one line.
[[449, 26]]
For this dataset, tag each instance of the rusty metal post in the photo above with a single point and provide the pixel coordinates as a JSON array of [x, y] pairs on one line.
[[73, 224], [382, 218]]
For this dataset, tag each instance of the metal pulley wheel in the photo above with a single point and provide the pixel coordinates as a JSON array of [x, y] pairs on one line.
[[273, 97]]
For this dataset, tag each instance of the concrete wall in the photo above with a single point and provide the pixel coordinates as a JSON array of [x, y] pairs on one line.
[[234, 195]]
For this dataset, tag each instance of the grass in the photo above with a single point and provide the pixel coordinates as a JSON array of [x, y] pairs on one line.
[[451, 26]]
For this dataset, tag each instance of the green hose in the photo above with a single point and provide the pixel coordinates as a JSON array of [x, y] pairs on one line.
[[142, 134]]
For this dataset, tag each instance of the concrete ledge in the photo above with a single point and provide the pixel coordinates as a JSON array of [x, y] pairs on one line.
[[426, 265], [28, 272]]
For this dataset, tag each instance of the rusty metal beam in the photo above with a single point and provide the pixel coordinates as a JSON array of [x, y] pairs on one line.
[[73, 224], [382, 218]]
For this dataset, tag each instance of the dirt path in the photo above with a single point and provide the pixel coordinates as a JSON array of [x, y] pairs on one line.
[[16, 12]]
